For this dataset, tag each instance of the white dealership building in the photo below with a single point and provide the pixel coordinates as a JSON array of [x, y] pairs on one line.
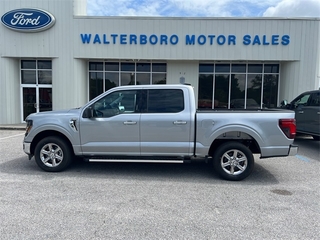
[[54, 56]]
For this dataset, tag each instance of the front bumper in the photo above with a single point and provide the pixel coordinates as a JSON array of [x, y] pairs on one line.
[[293, 150], [27, 147]]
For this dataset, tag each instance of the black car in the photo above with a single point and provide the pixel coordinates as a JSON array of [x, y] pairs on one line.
[[307, 108]]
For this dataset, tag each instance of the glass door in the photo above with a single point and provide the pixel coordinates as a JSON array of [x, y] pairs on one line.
[[29, 97], [36, 86], [36, 99], [45, 99]]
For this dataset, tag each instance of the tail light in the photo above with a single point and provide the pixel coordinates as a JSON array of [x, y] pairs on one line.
[[288, 127]]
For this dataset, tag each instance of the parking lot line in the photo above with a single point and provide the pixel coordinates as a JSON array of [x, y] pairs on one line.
[[303, 158], [17, 135]]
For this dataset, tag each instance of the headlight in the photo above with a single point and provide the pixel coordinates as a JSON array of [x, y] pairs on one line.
[[28, 127]]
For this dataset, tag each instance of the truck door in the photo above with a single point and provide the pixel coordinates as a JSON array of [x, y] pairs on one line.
[[299, 106], [110, 125], [312, 114], [165, 123]]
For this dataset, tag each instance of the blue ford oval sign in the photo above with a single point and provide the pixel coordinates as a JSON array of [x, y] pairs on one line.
[[28, 20]]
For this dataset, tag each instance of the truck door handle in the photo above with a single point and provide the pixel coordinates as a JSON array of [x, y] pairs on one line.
[[129, 123], [179, 122], [318, 112], [300, 112]]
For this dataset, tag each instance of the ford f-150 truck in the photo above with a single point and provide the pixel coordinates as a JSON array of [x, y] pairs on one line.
[[158, 123]]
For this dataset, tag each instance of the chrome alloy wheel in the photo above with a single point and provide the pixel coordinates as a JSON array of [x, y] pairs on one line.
[[51, 155], [234, 162]]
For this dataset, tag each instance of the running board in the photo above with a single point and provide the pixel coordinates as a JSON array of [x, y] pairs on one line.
[[135, 161]]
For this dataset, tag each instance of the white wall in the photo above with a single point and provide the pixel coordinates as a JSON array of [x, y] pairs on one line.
[[9, 91], [189, 70], [303, 74]]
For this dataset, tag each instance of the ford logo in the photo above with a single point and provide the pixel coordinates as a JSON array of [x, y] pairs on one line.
[[28, 20]]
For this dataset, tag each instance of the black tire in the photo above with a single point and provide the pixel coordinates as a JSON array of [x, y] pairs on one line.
[[316, 138], [52, 154], [233, 161]]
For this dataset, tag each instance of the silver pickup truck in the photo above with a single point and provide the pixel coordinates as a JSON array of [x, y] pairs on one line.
[[158, 123]]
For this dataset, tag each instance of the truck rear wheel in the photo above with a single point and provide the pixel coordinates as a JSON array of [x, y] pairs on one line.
[[233, 161], [52, 154]]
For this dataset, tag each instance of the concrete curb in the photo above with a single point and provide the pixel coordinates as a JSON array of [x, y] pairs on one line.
[[13, 127]]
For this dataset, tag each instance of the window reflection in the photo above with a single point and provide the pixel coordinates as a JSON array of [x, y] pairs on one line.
[[159, 67], [127, 79], [45, 77], [29, 99], [97, 66], [221, 91], [271, 68], [125, 73], [238, 68], [28, 77], [45, 95], [143, 67], [143, 78], [248, 86], [206, 68], [222, 68], [270, 90], [254, 87], [127, 67], [112, 66], [205, 92], [112, 80], [238, 84], [28, 64], [95, 84], [44, 64], [255, 68], [159, 78]]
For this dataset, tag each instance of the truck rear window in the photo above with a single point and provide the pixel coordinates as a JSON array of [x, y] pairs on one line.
[[165, 101]]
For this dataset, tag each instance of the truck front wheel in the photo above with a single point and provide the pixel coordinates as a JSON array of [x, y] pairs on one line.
[[233, 161], [52, 154]]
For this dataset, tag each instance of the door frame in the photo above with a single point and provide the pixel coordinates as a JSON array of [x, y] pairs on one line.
[[37, 87]]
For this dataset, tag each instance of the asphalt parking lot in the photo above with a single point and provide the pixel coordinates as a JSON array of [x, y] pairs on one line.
[[280, 200]]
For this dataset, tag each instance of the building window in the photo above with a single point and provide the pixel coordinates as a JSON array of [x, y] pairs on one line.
[[242, 86], [108, 74], [36, 72]]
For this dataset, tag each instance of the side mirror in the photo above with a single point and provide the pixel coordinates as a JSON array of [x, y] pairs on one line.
[[284, 103], [88, 112]]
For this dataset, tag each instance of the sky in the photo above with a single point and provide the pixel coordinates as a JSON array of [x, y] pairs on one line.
[[205, 8]]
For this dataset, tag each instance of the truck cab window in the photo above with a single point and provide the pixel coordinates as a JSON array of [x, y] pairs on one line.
[[302, 100], [315, 100], [119, 102], [165, 101]]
